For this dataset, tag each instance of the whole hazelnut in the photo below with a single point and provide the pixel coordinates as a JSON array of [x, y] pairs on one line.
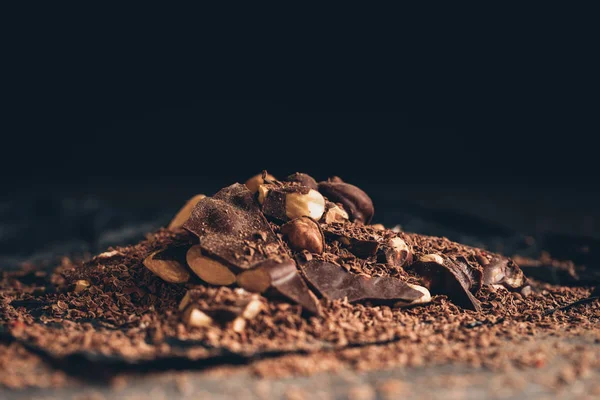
[[298, 205], [304, 234]]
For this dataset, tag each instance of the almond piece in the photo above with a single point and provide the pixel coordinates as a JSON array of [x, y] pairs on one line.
[[171, 271], [185, 212], [196, 318], [208, 269]]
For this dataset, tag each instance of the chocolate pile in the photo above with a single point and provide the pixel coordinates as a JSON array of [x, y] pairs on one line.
[[265, 268]]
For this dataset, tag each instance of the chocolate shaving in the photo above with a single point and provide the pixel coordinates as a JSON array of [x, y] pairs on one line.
[[335, 283], [231, 227]]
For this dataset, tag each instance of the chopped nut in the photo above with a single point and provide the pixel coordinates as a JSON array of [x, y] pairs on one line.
[[238, 325], [256, 181], [426, 295], [171, 271], [184, 213], [434, 258], [81, 285], [185, 301], [379, 227], [263, 190], [253, 308], [310, 205], [304, 234], [196, 318], [397, 253], [208, 269], [335, 213]]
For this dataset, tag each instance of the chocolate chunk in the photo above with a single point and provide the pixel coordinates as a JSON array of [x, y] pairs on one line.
[[453, 278], [304, 180], [503, 271], [232, 228], [362, 241], [334, 283], [358, 204], [285, 201], [283, 277]]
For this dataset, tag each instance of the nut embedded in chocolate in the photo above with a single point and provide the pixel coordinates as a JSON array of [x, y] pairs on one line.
[[291, 201], [502, 271], [208, 269], [195, 318], [304, 180], [396, 252], [166, 265], [283, 277], [232, 228], [184, 213], [253, 183], [304, 234], [358, 204]]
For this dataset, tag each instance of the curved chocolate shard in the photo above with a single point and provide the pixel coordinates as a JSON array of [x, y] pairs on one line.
[[441, 275], [358, 204], [503, 271], [334, 282], [283, 278], [232, 228]]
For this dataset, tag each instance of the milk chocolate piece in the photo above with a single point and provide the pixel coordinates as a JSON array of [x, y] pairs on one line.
[[442, 275], [334, 282], [358, 204], [282, 277], [231, 228]]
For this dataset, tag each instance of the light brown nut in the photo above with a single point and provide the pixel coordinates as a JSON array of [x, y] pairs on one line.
[[238, 325], [252, 309], [168, 270], [304, 234], [299, 205], [379, 227], [195, 318], [81, 285], [208, 269], [335, 213], [184, 213], [185, 301], [397, 253], [257, 180]]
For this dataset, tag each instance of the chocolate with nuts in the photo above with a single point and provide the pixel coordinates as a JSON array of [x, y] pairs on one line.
[[286, 201], [232, 229]]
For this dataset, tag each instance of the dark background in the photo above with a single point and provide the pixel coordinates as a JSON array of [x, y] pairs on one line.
[[107, 131]]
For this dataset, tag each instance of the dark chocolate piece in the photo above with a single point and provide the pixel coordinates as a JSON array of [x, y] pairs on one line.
[[283, 277], [358, 204], [441, 275], [334, 283], [304, 180], [232, 228], [285, 201], [362, 241]]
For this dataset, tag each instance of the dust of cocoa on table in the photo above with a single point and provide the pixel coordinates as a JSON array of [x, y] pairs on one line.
[[129, 315]]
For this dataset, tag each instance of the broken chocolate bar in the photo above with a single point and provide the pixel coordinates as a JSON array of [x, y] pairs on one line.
[[286, 201], [232, 228], [335, 283], [362, 241]]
